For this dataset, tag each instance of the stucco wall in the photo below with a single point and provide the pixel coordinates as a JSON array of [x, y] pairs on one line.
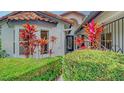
[[54, 30], [7, 39], [78, 17]]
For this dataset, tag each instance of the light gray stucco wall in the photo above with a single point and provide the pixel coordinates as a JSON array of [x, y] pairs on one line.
[[7, 39], [54, 30]]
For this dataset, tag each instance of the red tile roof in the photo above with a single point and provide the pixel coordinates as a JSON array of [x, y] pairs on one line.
[[29, 16], [35, 15]]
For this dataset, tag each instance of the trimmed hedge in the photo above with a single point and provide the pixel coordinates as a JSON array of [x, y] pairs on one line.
[[30, 69], [93, 65]]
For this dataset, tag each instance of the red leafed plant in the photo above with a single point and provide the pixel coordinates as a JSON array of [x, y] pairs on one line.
[[93, 31], [42, 43], [52, 40], [28, 38], [79, 41]]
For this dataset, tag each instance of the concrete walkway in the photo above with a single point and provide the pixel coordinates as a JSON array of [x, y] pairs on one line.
[[59, 78]]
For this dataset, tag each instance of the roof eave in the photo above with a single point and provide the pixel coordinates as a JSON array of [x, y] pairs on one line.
[[67, 21], [66, 13], [88, 19]]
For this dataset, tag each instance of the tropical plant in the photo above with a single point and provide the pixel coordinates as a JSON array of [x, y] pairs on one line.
[[93, 31], [3, 54], [28, 37], [79, 41], [42, 43]]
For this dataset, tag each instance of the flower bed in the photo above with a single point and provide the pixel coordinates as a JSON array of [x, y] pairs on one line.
[[93, 65], [30, 69]]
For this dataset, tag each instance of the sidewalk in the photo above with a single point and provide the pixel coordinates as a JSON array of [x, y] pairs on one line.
[[59, 78]]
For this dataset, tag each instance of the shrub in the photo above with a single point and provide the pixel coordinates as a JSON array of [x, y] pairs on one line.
[[93, 65], [30, 69], [3, 54]]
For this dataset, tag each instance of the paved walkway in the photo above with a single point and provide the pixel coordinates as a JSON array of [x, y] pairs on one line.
[[59, 78]]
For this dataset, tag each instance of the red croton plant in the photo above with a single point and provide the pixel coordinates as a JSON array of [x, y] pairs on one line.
[[30, 41], [42, 42], [93, 33], [79, 41], [28, 38]]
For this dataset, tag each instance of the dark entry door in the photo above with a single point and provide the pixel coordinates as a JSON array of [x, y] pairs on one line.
[[69, 43]]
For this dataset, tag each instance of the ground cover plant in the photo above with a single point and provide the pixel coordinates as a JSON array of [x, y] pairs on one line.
[[93, 65], [30, 69]]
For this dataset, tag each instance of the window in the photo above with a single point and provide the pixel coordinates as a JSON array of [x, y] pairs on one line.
[[70, 43], [21, 49], [106, 40], [106, 37], [13, 41], [81, 36], [44, 34]]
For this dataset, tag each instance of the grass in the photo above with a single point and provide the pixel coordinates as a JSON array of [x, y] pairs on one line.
[[28, 69]]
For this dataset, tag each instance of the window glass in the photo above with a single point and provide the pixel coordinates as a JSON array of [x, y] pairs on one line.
[[106, 38], [44, 34], [21, 48]]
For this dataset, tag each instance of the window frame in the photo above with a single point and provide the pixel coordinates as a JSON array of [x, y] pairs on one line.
[[19, 43], [47, 46]]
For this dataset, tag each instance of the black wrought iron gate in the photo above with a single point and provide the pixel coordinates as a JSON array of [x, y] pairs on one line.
[[69, 43]]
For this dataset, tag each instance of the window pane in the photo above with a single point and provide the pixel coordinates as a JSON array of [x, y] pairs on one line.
[[106, 37], [13, 41], [21, 48], [20, 30], [44, 34]]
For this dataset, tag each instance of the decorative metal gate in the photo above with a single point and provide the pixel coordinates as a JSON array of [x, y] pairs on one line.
[[113, 36]]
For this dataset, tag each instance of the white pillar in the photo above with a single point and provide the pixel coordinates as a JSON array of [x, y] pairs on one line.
[[16, 41]]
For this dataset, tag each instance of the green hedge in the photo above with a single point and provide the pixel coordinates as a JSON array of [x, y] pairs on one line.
[[30, 69], [93, 65]]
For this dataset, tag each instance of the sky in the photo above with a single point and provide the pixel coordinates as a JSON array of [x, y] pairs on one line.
[[3, 13]]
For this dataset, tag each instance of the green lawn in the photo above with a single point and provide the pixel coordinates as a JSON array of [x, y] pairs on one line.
[[29, 69]]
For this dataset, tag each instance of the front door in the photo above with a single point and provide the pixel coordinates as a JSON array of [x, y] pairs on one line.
[[69, 43]]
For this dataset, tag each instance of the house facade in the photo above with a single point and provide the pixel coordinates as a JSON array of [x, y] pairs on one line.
[[77, 17], [48, 25], [65, 27], [112, 37]]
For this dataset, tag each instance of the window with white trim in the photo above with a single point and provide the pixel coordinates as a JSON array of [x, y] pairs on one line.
[[44, 34], [21, 48]]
